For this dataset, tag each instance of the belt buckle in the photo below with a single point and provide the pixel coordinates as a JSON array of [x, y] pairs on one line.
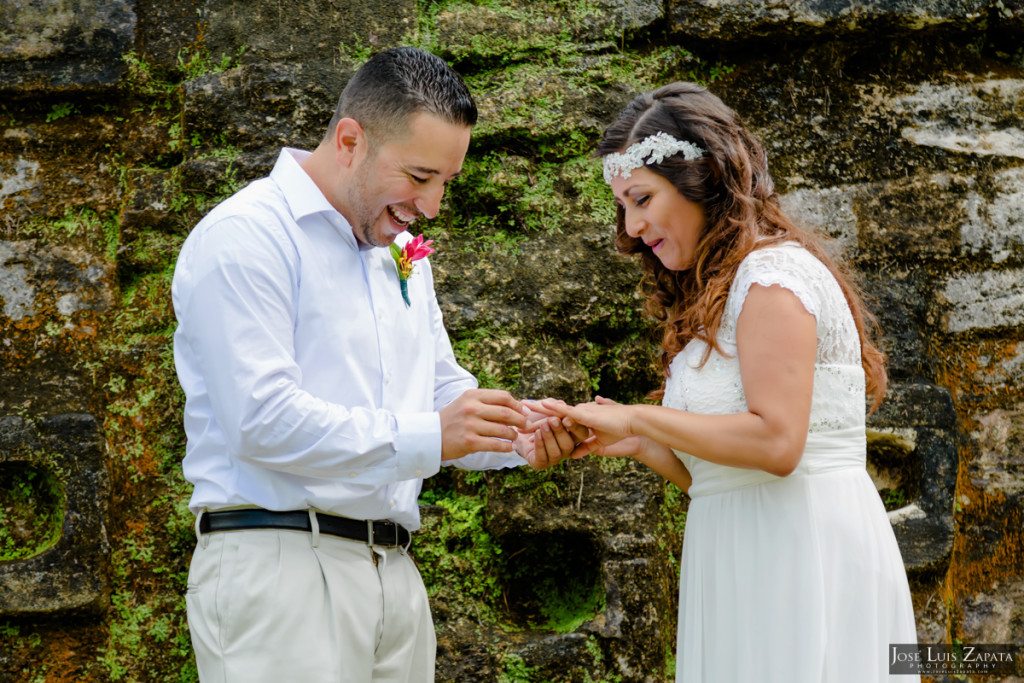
[[369, 532], [393, 528]]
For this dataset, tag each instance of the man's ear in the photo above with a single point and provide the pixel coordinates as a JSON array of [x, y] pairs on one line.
[[350, 142]]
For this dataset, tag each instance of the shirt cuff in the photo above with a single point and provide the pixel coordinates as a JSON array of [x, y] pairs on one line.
[[418, 445], [486, 460]]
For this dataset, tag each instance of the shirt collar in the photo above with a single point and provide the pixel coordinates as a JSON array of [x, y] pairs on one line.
[[303, 196]]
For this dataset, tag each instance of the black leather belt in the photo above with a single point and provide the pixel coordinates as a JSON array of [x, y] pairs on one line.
[[371, 532]]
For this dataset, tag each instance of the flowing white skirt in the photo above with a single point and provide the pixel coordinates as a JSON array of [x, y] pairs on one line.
[[795, 580]]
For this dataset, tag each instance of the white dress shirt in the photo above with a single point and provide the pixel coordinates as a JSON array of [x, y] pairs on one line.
[[309, 383]]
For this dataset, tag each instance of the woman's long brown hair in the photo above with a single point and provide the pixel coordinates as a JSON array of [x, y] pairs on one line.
[[731, 182]]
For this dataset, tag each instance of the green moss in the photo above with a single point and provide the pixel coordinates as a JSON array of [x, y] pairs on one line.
[[501, 200], [61, 110], [31, 509], [180, 525], [142, 79], [499, 34], [893, 498], [138, 625], [626, 369], [514, 670], [148, 634], [478, 350], [541, 487], [675, 507], [133, 364], [532, 168], [549, 581], [456, 556], [76, 227], [673, 525], [194, 62]]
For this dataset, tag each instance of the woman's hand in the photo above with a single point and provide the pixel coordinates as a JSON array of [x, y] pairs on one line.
[[611, 435], [630, 447], [608, 423]]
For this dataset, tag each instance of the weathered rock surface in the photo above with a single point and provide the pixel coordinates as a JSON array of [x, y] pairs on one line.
[[52, 300], [591, 529], [64, 45], [894, 127], [913, 447], [71, 576], [985, 300], [272, 114], [996, 226], [979, 117], [739, 19], [996, 616], [305, 29], [999, 466]]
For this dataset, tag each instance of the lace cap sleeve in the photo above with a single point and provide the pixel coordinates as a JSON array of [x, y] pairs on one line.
[[788, 265]]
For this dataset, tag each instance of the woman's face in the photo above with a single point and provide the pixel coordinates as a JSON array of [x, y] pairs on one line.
[[656, 213]]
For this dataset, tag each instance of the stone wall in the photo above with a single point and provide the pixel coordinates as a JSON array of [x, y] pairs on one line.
[[893, 127]]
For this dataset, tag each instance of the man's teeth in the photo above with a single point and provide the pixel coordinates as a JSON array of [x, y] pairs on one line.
[[400, 218]]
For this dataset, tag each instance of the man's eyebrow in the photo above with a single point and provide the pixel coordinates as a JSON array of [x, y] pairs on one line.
[[433, 171]]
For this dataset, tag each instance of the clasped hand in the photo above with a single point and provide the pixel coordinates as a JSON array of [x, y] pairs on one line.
[[492, 420], [607, 424]]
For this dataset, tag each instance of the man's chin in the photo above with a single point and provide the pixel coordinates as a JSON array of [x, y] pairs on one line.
[[377, 238], [384, 240], [386, 232]]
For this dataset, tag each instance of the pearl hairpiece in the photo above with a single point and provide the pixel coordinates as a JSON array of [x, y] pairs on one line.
[[651, 150]]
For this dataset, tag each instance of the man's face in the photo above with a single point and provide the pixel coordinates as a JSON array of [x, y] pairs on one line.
[[404, 178]]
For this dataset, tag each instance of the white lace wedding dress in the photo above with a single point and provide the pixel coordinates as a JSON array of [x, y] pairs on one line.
[[795, 579]]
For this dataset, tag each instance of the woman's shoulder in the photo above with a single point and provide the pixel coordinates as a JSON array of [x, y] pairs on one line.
[[788, 264], [780, 254]]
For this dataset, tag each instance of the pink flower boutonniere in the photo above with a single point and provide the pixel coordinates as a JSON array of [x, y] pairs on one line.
[[414, 250]]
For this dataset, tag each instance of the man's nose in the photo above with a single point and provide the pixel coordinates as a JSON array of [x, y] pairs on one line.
[[429, 201]]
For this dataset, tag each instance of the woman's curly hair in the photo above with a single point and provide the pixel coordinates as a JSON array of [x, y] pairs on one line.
[[731, 182]]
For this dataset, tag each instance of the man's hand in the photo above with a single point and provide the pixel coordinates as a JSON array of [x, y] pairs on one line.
[[550, 439], [481, 420]]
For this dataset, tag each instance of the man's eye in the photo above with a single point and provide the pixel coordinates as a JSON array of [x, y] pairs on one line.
[[418, 179]]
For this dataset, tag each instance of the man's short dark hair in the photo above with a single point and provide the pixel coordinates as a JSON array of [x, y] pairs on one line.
[[397, 83]]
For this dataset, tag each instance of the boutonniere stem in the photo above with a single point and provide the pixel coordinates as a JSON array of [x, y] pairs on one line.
[[414, 250]]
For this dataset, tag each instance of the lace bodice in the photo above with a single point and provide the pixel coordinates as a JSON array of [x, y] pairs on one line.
[[839, 396]]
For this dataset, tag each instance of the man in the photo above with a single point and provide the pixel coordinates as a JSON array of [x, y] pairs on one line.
[[318, 397]]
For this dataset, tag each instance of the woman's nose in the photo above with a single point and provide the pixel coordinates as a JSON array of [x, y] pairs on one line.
[[634, 225]]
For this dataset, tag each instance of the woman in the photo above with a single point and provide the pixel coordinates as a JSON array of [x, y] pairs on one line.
[[790, 569]]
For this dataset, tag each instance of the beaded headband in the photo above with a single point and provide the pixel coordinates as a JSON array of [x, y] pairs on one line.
[[651, 150]]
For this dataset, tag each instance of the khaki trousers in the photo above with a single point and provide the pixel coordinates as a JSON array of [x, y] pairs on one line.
[[280, 606]]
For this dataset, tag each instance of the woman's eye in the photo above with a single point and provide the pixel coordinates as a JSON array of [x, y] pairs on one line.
[[640, 201]]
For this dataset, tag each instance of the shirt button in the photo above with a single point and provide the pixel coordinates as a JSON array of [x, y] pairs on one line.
[[392, 503], [419, 473], [387, 378], [351, 475]]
